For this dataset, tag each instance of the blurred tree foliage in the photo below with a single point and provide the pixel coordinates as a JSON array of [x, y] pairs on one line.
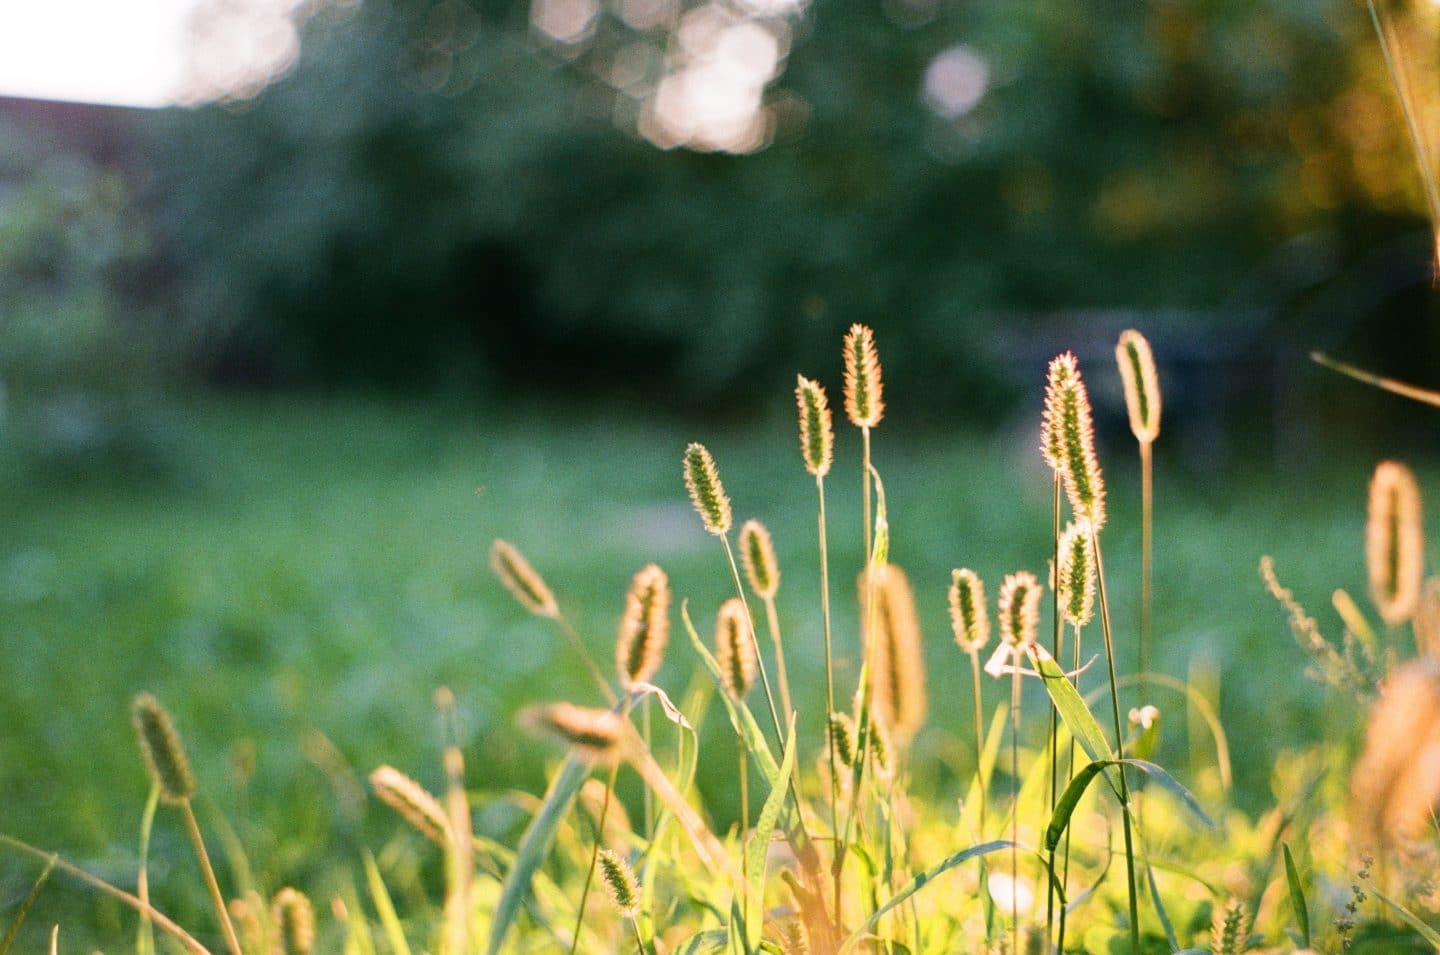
[[438, 194]]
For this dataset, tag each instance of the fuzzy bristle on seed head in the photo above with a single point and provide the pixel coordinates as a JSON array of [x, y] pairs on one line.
[[1019, 608], [969, 615], [842, 734], [757, 554], [645, 626], [413, 802], [293, 918], [1427, 620], [1141, 383], [895, 652], [163, 749], [1067, 440], [1395, 785], [596, 733], [1394, 542], [1076, 579], [522, 580], [734, 650], [864, 392], [620, 883], [706, 492], [817, 428]]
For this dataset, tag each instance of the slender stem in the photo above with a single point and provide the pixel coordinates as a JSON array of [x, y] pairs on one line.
[[459, 855], [639, 942], [1069, 771], [1054, 713], [648, 804], [594, 855], [865, 493], [192, 826], [1119, 745], [583, 654], [744, 790], [755, 642], [829, 680], [772, 620], [1015, 809], [1146, 543], [145, 937], [979, 738]]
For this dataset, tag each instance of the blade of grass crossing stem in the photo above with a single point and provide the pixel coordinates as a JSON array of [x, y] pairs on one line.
[[1073, 711], [19, 919], [535, 844], [759, 847], [1069, 799], [1406, 916], [1297, 896], [385, 907]]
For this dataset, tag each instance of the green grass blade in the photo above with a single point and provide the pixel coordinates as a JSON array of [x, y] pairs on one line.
[[1406, 916], [1297, 896], [740, 716], [534, 845], [759, 847], [145, 934], [19, 919], [1070, 798], [385, 908], [1173, 785], [1160, 912], [1074, 712]]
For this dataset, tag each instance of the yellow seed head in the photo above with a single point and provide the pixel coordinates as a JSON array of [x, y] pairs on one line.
[[1427, 620], [245, 914], [1394, 542], [522, 580], [734, 650], [413, 802], [1142, 385], [969, 615], [864, 394], [596, 733], [645, 627], [1019, 608], [1395, 786], [163, 749], [706, 491], [620, 883], [817, 430], [294, 920], [757, 553], [1067, 440], [897, 662], [1076, 580]]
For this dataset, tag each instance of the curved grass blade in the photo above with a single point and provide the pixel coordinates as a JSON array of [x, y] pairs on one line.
[[1423, 395], [1406, 916], [1160, 909], [1072, 709], [385, 907], [759, 847], [145, 933], [34, 894], [1297, 896], [740, 716], [1069, 799]]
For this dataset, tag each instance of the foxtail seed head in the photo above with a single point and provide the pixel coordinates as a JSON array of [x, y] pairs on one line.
[[757, 554], [1019, 608], [969, 615], [645, 627], [1142, 385], [163, 749], [706, 491], [1394, 788], [1067, 440], [882, 752], [1076, 579], [620, 884], [817, 429], [842, 732], [413, 802], [596, 733], [897, 663], [522, 580], [864, 393], [1394, 542], [734, 650], [1427, 620], [294, 921]]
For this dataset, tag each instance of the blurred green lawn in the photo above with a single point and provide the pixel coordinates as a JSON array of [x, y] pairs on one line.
[[322, 564]]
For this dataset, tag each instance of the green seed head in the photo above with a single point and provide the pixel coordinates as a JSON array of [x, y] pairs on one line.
[[645, 627], [1076, 580], [1141, 383], [294, 921], [163, 749], [969, 615], [757, 553], [842, 733], [734, 650], [1019, 608], [706, 491], [864, 402], [817, 429], [620, 883], [527, 586]]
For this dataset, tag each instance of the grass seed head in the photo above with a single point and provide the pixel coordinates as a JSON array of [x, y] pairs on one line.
[[1067, 440], [842, 732], [596, 733], [620, 883], [969, 614], [522, 580], [1394, 542], [706, 491], [1427, 620], [163, 749], [645, 626], [881, 749], [817, 429], [413, 802], [1142, 385], [293, 918], [864, 392], [757, 554], [734, 650], [896, 655], [1076, 580], [1230, 929], [1019, 608], [1395, 786]]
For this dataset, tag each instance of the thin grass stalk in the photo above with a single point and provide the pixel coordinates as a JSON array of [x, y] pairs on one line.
[[1147, 503], [1015, 809], [869, 543], [979, 738], [1059, 627], [829, 669], [594, 857], [639, 941], [145, 934], [1069, 771], [578, 646], [1119, 744], [648, 800], [755, 641], [192, 827], [459, 853]]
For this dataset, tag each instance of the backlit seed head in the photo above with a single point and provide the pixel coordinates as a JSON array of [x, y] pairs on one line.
[[163, 749], [969, 615], [293, 918], [620, 883], [706, 491], [596, 733], [842, 733], [817, 429], [895, 653], [1067, 440], [1076, 580], [1142, 385], [1019, 608], [864, 393], [645, 627], [757, 554], [1394, 542], [1427, 620], [1230, 929], [882, 751], [734, 650], [1395, 786], [413, 802], [522, 580]]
